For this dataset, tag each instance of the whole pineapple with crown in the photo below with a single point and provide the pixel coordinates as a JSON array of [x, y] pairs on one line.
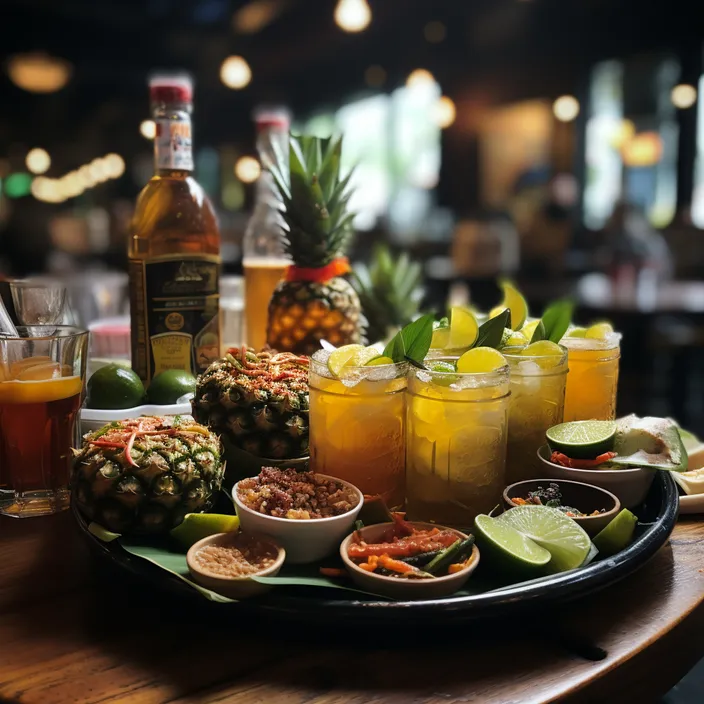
[[314, 302]]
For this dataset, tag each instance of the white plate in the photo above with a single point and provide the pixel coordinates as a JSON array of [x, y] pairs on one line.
[[694, 503], [95, 418]]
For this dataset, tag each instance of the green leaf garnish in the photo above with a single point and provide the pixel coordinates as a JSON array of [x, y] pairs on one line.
[[442, 323], [411, 343], [554, 323], [491, 332]]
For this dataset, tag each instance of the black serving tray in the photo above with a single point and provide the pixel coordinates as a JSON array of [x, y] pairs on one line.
[[657, 518]]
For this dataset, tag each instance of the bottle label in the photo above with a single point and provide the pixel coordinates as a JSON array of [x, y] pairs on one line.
[[172, 145], [175, 313]]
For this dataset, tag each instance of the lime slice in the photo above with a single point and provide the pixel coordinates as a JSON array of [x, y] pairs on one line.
[[565, 540], [548, 353], [529, 328], [342, 355], [582, 439], [577, 332], [514, 301], [378, 361], [197, 526], [508, 548], [442, 366], [513, 338], [447, 370], [479, 360], [600, 331], [496, 311], [441, 338], [464, 329], [617, 535]]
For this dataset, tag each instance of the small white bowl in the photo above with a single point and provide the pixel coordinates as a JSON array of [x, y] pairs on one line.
[[305, 540], [406, 589], [630, 486], [232, 587], [95, 418]]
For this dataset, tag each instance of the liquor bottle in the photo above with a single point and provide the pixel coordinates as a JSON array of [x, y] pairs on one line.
[[264, 261], [174, 249]]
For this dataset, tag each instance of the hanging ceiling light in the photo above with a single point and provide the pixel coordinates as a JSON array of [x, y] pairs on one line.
[[247, 169], [419, 77], [38, 72], [38, 161], [445, 112], [353, 15], [235, 72], [683, 96], [566, 108]]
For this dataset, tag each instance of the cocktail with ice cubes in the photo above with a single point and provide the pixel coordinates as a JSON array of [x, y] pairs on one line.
[[456, 443], [358, 425]]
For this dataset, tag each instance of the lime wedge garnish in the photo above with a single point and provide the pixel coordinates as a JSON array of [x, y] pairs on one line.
[[351, 356], [600, 331], [582, 439], [507, 547], [514, 301], [442, 366], [496, 311], [548, 353], [513, 338], [480, 360], [529, 328], [378, 361], [197, 526], [441, 338], [464, 329], [577, 332], [617, 535], [565, 540]]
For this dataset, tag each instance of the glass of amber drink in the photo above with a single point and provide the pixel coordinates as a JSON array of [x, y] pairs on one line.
[[456, 444], [42, 373], [358, 426], [593, 379], [537, 403]]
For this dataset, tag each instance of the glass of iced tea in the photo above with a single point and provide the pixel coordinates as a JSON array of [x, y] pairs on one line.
[[42, 373]]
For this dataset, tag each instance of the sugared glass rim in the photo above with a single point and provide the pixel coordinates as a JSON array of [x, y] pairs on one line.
[[611, 342], [555, 370], [400, 367], [71, 331], [497, 374]]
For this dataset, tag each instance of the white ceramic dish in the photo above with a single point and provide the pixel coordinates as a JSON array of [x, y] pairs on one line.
[[95, 418], [305, 541], [630, 486], [406, 589], [233, 587]]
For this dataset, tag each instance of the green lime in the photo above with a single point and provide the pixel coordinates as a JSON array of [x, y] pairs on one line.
[[343, 356], [446, 373], [442, 366], [196, 526], [513, 338], [378, 361], [480, 360], [508, 549], [599, 331], [514, 301], [113, 387], [565, 540], [441, 338], [529, 329], [168, 387], [617, 535], [577, 332], [582, 439]]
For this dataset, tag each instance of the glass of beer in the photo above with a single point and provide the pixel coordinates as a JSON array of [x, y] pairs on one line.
[[42, 374]]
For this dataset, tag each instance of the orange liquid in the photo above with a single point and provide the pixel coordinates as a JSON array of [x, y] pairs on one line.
[[592, 384], [261, 275], [37, 424]]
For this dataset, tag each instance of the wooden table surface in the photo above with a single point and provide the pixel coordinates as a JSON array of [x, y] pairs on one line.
[[72, 632]]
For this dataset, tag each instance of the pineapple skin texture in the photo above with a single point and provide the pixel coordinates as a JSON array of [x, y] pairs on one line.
[[301, 313]]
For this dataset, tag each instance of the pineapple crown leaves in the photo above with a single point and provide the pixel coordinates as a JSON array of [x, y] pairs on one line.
[[315, 199]]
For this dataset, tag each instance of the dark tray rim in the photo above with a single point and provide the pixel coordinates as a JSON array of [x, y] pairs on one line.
[[556, 588]]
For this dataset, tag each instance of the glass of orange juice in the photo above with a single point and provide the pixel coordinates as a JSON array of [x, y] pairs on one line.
[[42, 374]]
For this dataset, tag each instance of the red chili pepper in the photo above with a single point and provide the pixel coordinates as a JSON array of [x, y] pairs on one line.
[[565, 461]]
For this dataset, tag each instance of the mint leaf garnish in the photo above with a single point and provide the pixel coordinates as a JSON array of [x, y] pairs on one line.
[[554, 323], [411, 343], [491, 332]]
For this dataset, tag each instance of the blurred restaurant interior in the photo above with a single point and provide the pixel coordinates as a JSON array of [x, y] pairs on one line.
[[558, 143]]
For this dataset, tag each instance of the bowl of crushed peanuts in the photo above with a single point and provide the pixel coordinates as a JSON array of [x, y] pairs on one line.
[[227, 562], [307, 513]]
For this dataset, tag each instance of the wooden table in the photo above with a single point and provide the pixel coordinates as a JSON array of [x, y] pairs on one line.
[[69, 632]]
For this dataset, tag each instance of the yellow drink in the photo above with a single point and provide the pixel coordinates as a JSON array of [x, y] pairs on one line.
[[456, 445], [593, 379], [261, 275], [357, 428], [537, 403]]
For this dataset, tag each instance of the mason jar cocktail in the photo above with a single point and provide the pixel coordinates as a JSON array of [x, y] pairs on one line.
[[593, 379], [456, 444], [537, 403], [358, 426]]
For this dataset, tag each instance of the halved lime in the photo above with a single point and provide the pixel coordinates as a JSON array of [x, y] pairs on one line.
[[617, 535], [514, 301], [441, 338], [513, 338], [464, 329], [447, 376], [196, 526], [378, 361], [577, 332], [582, 439], [508, 548], [548, 353], [600, 331], [529, 328], [565, 540], [480, 360], [442, 366]]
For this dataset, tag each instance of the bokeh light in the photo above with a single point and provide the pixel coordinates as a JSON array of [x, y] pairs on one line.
[[247, 169], [147, 129], [38, 160], [566, 108], [683, 96], [353, 15], [235, 72]]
